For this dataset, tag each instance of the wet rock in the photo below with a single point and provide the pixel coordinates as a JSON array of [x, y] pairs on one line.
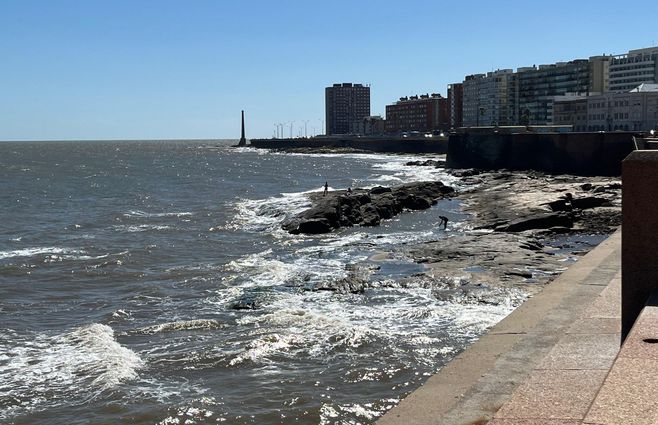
[[468, 172], [370, 215], [365, 208], [379, 190], [245, 303], [427, 163]]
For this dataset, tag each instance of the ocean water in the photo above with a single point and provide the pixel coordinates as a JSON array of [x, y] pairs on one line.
[[121, 264]]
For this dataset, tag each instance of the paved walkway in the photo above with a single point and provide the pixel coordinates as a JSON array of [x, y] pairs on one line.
[[543, 364]]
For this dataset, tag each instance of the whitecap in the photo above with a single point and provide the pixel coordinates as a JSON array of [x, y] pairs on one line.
[[143, 214], [140, 228], [67, 368], [185, 325], [29, 252]]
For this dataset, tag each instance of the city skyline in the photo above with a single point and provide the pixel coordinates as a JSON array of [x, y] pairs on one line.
[[83, 70]]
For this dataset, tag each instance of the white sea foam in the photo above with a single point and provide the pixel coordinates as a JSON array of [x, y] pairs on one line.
[[140, 228], [184, 325], [263, 269], [67, 368], [30, 252], [143, 214], [268, 214]]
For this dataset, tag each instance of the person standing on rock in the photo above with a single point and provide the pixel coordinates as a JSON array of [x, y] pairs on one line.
[[326, 188], [443, 220]]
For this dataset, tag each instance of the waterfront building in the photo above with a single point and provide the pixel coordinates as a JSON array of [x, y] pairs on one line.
[[629, 70], [489, 99], [538, 86], [455, 104], [636, 110], [345, 104], [418, 113], [369, 126], [571, 110]]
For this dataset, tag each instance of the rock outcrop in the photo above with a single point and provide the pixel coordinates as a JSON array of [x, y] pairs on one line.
[[365, 207]]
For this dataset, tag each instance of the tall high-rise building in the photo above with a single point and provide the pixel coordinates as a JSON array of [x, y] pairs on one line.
[[345, 104], [629, 70], [455, 104]]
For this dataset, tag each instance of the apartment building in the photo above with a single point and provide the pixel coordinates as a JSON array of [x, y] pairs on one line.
[[345, 104], [455, 104], [489, 99], [636, 67], [636, 110], [418, 113]]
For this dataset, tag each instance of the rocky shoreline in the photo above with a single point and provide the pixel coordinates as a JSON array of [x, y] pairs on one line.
[[524, 229], [365, 207]]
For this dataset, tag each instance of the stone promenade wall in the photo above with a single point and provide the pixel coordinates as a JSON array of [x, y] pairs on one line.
[[389, 145], [589, 154]]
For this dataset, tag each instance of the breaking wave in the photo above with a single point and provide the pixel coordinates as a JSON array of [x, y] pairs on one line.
[[73, 367]]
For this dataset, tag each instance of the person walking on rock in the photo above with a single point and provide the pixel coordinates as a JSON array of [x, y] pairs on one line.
[[326, 188]]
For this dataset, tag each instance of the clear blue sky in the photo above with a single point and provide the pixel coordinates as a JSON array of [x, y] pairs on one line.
[[113, 69]]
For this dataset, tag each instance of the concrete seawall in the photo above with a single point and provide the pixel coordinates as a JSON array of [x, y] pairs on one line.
[[438, 145], [588, 154]]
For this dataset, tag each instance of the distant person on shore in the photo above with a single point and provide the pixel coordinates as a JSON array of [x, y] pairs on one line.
[[326, 188], [443, 220], [349, 190]]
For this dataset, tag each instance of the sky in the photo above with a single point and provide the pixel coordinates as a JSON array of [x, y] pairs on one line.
[[147, 69]]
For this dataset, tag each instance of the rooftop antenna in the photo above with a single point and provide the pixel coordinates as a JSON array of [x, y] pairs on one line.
[[243, 141]]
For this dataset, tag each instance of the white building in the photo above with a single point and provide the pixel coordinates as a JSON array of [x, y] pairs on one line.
[[634, 68], [488, 99]]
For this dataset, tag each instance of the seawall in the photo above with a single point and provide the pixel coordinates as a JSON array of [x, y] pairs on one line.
[[588, 154], [438, 145]]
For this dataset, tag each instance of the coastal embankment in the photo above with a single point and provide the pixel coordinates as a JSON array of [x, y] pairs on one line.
[[587, 154], [417, 144]]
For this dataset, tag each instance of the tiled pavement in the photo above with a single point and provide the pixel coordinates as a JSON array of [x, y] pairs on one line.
[[547, 362]]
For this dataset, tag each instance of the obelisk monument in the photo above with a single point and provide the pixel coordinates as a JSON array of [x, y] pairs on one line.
[[243, 141]]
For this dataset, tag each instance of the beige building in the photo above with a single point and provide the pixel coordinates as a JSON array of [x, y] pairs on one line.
[[634, 68], [571, 110], [636, 110]]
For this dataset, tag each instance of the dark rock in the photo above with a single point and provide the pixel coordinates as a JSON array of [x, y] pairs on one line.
[[246, 303], [523, 274], [560, 205], [387, 206], [367, 209], [465, 173], [589, 202], [578, 203], [427, 163], [531, 245], [314, 226], [586, 187], [370, 216], [379, 189], [539, 221], [413, 202]]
